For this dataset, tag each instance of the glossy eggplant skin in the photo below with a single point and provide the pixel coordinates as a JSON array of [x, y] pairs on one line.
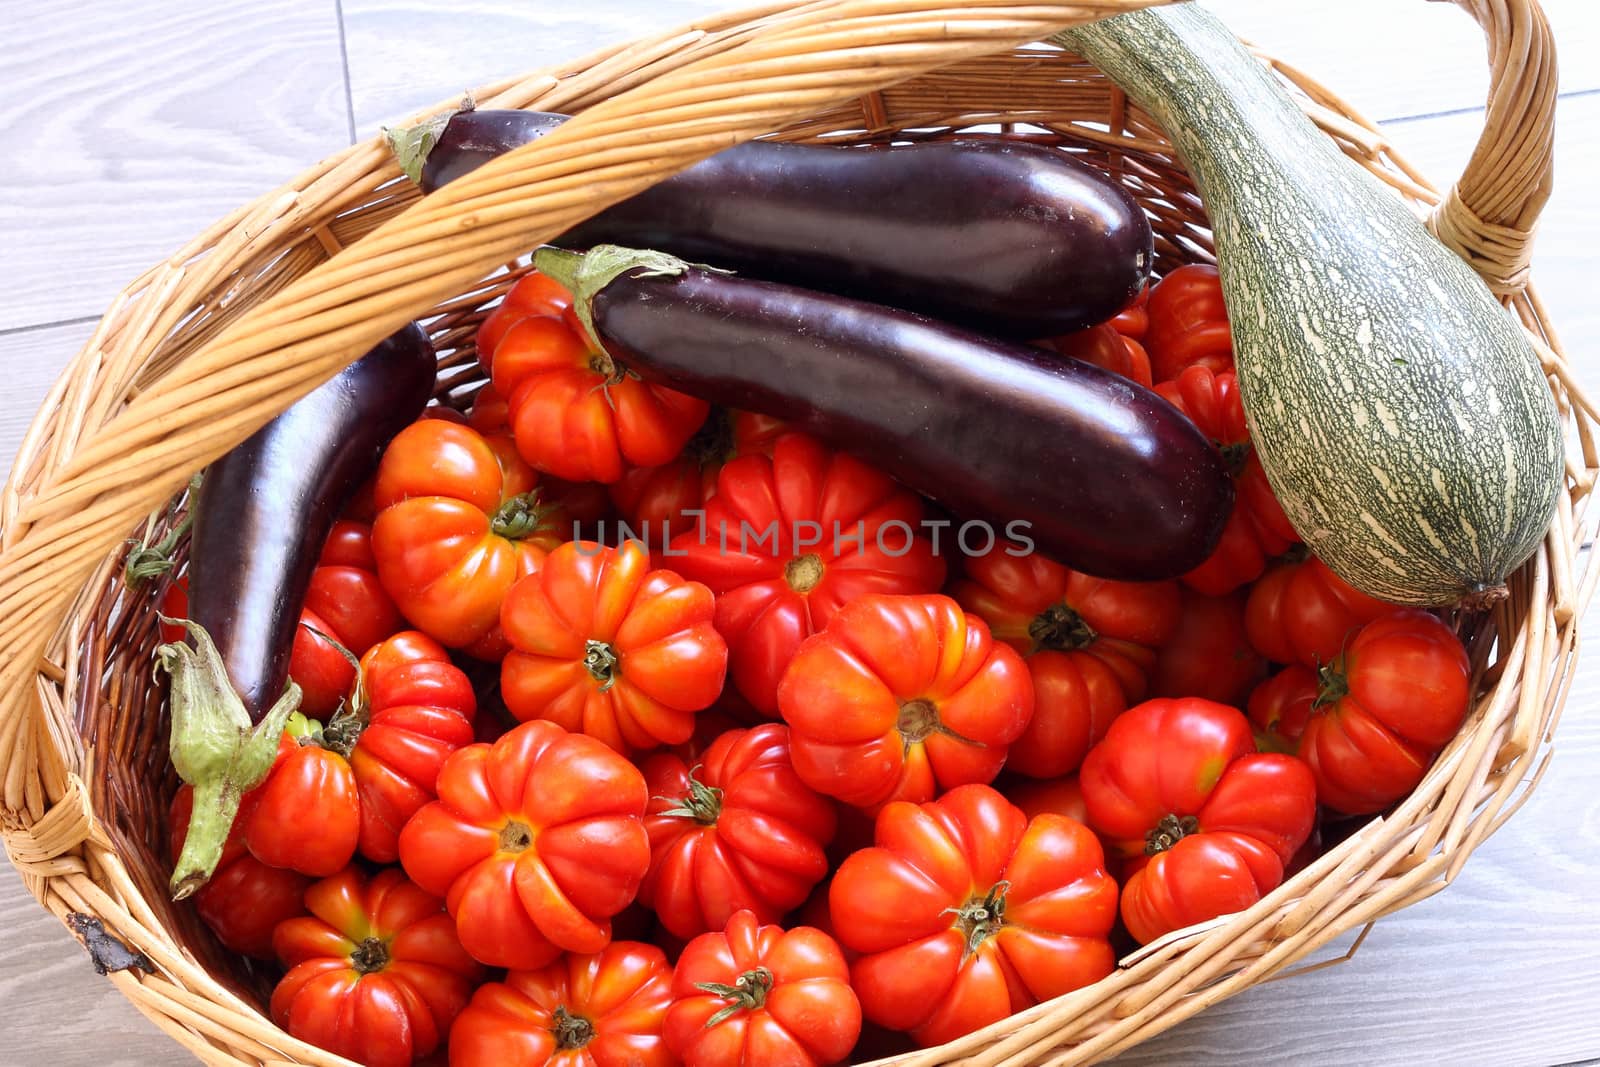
[[1005, 237], [1109, 478], [264, 509]]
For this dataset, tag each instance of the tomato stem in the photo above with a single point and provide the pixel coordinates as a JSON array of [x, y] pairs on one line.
[[1234, 456], [571, 1031], [370, 957], [748, 993], [980, 918], [702, 803], [1168, 832], [1332, 684], [1059, 628], [520, 517], [516, 837], [602, 662], [918, 719], [804, 572]]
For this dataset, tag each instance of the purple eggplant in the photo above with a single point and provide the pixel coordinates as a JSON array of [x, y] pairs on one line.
[[260, 516], [1006, 237], [1093, 469]]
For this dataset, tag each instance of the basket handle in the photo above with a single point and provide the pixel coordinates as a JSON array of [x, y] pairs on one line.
[[1488, 217]]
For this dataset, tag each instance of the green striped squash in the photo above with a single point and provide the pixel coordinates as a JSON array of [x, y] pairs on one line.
[[1399, 411]]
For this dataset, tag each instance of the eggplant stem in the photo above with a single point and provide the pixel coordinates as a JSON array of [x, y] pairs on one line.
[[412, 144], [215, 748], [583, 274]]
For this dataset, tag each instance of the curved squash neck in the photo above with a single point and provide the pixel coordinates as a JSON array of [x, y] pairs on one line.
[[1234, 100]]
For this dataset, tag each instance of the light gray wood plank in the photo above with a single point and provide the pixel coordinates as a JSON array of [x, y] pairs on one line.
[[130, 127], [1387, 57], [58, 1010], [408, 54], [33, 359]]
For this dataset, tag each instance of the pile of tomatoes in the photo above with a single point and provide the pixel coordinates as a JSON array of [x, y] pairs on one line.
[[756, 769]]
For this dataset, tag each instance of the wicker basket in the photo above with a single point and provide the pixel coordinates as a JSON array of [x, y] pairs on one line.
[[278, 296]]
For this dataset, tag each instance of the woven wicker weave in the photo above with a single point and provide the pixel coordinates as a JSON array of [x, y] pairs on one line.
[[282, 293]]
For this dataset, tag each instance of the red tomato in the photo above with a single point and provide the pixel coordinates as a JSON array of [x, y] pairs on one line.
[[376, 973], [1301, 612], [1280, 707], [535, 842], [789, 540], [1188, 323], [489, 415], [418, 713], [1383, 709], [901, 698], [346, 602], [459, 522], [533, 294], [1205, 822], [1208, 654], [245, 899], [967, 912], [657, 503], [738, 832], [353, 784], [1063, 796], [600, 1010], [760, 996], [1106, 347], [576, 413], [606, 646], [307, 815], [1090, 644], [1133, 321], [1257, 528]]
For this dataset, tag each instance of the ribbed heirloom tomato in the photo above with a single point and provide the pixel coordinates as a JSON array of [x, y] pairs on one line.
[[375, 971], [790, 540], [604, 645], [352, 784], [762, 996], [737, 830], [1208, 654], [900, 698], [346, 602], [535, 842], [575, 412], [1205, 823], [966, 912], [659, 503], [1301, 612], [1090, 644], [460, 520], [605, 1009], [1188, 322], [1370, 723], [1257, 528]]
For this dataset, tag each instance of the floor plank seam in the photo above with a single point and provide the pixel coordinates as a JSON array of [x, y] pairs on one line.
[[344, 67], [32, 326], [1456, 111]]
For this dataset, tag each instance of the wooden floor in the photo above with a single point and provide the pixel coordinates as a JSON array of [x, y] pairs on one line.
[[130, 126]]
